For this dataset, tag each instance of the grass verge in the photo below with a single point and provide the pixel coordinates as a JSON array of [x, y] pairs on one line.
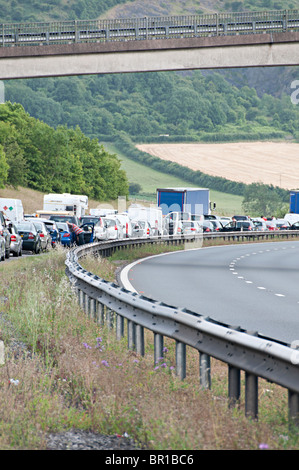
[[63, 371]]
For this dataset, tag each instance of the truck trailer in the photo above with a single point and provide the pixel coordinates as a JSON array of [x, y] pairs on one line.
[[294, 201], [191, 200]]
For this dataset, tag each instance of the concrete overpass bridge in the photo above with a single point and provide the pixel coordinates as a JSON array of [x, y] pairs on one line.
[[258, 39]]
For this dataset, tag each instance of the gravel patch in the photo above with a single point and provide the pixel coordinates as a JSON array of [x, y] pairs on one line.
[[85, 440]]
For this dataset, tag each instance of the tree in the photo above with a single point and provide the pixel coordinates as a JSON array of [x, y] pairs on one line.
[[261, 200], [3, 167]]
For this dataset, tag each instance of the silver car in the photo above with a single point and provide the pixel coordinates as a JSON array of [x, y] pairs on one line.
[[16, 241], [44, 234], [2, 248]]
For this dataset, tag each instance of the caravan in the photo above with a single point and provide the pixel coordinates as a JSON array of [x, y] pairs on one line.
[[72, 203]]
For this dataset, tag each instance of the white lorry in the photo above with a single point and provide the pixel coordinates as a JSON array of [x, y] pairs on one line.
[[76, 204], [12, 209]]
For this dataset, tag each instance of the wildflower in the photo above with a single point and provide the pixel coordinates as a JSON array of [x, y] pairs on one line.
[[105, 363], [263, 446], [13, 381], [87, 346], [136, 360], [165, 350], [164, 364]]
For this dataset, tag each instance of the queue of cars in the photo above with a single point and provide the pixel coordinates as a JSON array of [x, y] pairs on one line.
[[37, 234]]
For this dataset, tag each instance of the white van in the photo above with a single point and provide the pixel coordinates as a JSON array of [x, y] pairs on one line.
[[12, 209], [126, 224], [152, 215]]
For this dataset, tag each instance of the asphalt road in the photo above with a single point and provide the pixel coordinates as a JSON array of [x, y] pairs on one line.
[[254, 286]]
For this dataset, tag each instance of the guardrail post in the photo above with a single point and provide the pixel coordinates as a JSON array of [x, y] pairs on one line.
[[180, 355], [119, 327], [293, 399], [251, 395], [109, 318], [158, 347], [131, 335], [140, 340], [205, 370], [234, 385]]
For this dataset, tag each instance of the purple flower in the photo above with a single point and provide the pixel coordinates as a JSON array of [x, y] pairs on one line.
[[263, 446], [87, 346], [105, 363]]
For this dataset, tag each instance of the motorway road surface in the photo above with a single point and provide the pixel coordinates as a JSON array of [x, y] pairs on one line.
[[254, 286]]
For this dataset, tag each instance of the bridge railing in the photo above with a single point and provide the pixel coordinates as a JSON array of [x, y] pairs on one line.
[[164, 27], [260, 357]]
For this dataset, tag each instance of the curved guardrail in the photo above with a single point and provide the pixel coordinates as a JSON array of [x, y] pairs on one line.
[[161, 27], [241, 350]]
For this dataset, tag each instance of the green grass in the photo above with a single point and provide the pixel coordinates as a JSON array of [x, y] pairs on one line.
[[79, 376], [150, 180]]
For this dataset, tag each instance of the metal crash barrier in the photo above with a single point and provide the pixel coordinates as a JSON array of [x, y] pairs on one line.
[[259, 357]]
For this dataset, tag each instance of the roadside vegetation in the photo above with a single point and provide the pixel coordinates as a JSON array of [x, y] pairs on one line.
[[63, 371]]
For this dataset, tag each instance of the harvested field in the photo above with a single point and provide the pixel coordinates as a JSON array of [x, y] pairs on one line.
[[275, 163]]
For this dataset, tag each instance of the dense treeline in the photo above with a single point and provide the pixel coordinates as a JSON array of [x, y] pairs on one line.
[[147, 106], [58, 160]]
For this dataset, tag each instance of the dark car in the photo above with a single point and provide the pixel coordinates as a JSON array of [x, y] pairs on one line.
[[89, 219], [239, 226], [65, 218], [240, 217], [30, 236], [4, 231], [294, 226]]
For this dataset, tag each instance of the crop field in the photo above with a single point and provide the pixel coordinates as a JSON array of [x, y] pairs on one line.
[[151, 179], [275, 163]]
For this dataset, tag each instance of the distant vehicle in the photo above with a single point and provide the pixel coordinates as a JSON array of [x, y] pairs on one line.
[[271, 225], [88, 232], [113, 227], [240, 217], [44, 234], [5, 233], [152, 215], [100, 231], [191, 228], [74, 203], [218, 227], [294, 226], [239, 226], [65, 235], [73, 219], [89, 219], [125, 221], [260, 225], [172, 222], [12, 209], [51, 227], [225, 220], [30, 236], [141, 228], [282, 224], [102, 212], [16, 242], [192, 200], [2, 248]]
